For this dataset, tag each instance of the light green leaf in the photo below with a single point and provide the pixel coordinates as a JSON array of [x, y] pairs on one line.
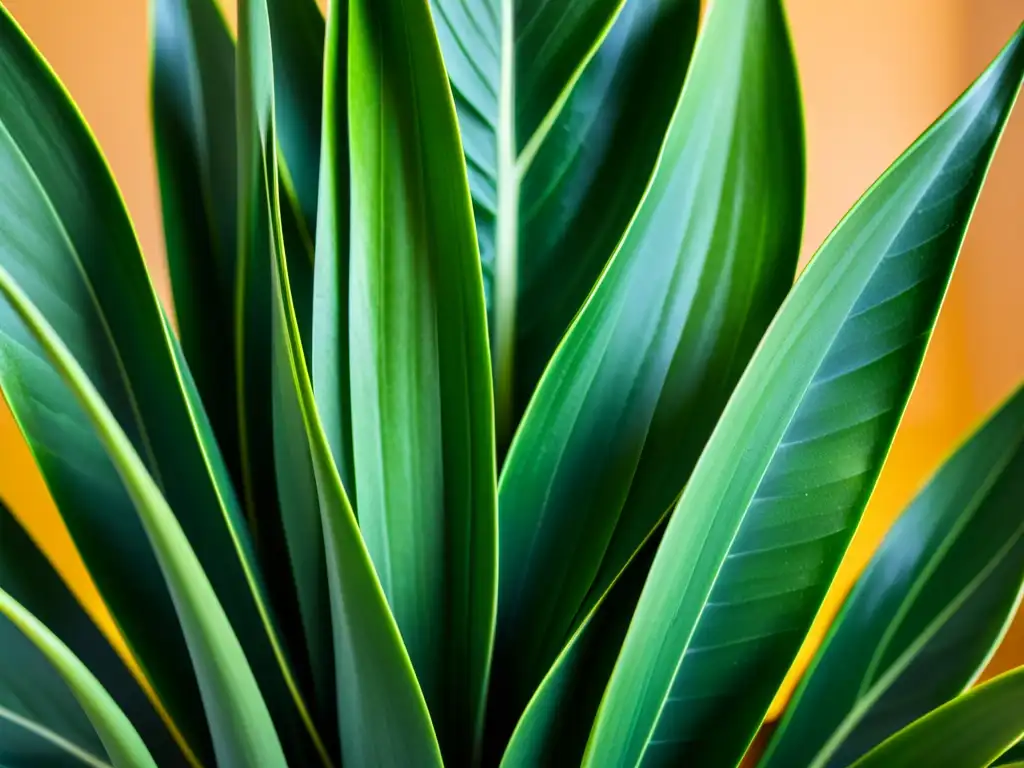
[[512, 65], [927, 614], [240, 725], [383, 716], [330, 345], [118, 740], [633, 392], [29, 579], [1014, 756], [756, 538], [970, 731], [422, 418]]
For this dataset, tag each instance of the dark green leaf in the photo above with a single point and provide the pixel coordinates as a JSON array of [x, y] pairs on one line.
[[52, 708], [422, 417], [927, 614], [240, 725], [624, 409], [755, 540], [585, 180], [27, 576], [969, 732], [512, 66], [193, 94]]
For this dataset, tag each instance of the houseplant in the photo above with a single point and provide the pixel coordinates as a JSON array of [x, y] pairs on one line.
[[496, 431]]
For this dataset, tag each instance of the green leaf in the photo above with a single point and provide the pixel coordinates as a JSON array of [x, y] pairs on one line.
[[330, 345], [1014, 756], [970, 731], [297, 32], [29, 579], [927, 614], [193, 95], [633, 392], [59, 714], [512, 66], [240, 725], [383, 717], [554, 727], [422, 418], [757, 536]]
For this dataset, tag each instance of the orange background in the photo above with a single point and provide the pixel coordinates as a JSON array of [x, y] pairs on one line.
[[875, 73]]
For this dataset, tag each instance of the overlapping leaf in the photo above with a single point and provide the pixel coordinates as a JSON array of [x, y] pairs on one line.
[[633, 392], [928, 612], [29, 579], [972, 730], [512, 65], [759, 531], [422, 417]]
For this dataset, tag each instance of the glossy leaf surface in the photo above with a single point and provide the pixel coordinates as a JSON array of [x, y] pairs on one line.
[[972, 730], [927, 614], [583, 182], [193, 95], [422, 419], [383, 718], [756, 537], [29, 579], [240, 725], [60, 701], [633, 392], [511, 65], [1014, 756]]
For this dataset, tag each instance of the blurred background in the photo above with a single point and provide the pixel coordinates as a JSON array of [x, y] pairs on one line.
[[875, 73]]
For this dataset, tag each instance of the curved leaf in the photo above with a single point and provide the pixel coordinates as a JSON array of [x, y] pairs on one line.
[[511, 66], [624, 409], [240, 725], [27, 576], [927, 613], [756, 537], [383, 717], [422, 423], [584, 182], [193, 102], [43, 694], [970, 731]]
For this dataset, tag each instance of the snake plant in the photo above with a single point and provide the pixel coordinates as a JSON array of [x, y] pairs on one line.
[[488, 425]]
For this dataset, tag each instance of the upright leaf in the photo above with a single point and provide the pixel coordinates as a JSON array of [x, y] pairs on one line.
[[512, 65], [623, 411], [383, 718], [757, 536], [193, 101], [29, 579], [240, 725], [61, 703], [970, 731], [927, 614], [422, 424]]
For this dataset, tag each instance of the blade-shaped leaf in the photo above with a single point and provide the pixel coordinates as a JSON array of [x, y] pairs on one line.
[[927, 614], [1014, 756], [383, 717], [623, 411], [29, 579], [422, 423], [330, 346], [193, 101], [757, 536], [240, 725], [970, 731], [583, 183], [512, 65], [61, 703]]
